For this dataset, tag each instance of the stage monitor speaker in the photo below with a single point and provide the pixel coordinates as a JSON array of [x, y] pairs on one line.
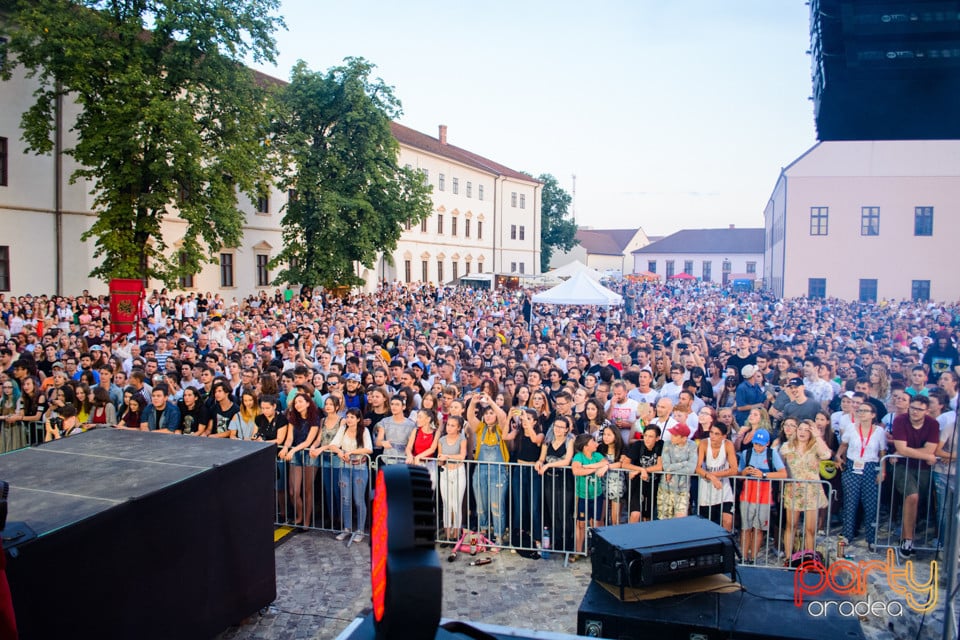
[[649, 553]]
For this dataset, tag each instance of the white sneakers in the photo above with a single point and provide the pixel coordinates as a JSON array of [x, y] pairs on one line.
[[343, 535]]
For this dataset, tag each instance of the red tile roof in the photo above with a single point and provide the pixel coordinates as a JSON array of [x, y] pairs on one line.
[[409, 137]]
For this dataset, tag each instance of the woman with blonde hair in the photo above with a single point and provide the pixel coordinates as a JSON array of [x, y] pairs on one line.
[[802, 454], [757, 419]]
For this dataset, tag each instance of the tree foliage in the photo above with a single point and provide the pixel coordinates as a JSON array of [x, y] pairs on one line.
[[171, 121], [556, 231], [352, 199]]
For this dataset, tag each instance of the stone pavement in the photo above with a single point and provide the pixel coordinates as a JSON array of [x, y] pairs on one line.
[[322, 585]]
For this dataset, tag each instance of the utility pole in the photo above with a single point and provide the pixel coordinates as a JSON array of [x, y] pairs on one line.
[[573, 199]]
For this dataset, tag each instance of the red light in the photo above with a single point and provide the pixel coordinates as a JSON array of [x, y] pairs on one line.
[[378, 548]]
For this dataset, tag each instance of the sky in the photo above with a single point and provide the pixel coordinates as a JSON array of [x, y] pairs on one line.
[[671, 114]]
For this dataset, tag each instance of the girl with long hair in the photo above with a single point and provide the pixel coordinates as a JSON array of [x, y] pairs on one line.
[[244, 422], [451, 454], [612, 448], [802, 454], [354, 447], [304, 420]]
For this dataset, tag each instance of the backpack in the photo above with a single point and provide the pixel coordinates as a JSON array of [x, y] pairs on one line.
[[743, 459]]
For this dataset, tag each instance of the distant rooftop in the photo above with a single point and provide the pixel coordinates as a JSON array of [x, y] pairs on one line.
[[440, 147], [605, 242], [709, 241]]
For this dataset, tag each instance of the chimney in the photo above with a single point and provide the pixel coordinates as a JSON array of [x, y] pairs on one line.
[[733, 226], [443, 134]]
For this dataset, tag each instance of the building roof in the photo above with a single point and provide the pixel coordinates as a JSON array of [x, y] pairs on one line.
[[709, 241], [878, 158], [409, 137], [605, 242]]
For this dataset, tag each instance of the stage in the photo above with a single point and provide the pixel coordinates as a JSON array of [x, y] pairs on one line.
[[140, 534]]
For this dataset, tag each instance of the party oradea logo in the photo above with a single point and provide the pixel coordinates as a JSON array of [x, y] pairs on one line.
[[813, 580]]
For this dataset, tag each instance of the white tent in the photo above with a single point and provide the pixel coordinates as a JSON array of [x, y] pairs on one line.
[[573, 268], [580, 289]]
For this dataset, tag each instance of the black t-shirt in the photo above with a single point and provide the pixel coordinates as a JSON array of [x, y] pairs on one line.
[[739, 362], [193, 420], [641, 456], [267, 429], [221, 417]]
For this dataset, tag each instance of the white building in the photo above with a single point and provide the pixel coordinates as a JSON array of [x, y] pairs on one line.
[[605, 250], [711, 255], [866, 220], [485, 218]]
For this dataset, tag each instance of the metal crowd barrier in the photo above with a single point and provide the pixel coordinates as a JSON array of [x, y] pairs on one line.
[[511, 506], [20, 435], [324, 493], [892, 504]]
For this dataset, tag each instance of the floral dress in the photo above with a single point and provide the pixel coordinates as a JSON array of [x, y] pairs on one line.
[[803, 465]]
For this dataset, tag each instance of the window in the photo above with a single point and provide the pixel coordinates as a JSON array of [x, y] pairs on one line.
[[819, 218], [408, 225], [456, 269], [751, 267], [423, 225], [407, 272], [263, 203], [923, 221], [466, 227], [3, 162], [669, 268], [441, 182], [523, 266], [183, 194], [186, 280], [479, 229], [816, 287], [480, 192], [263, 276], [920, 290], [3, 54], [440, 223], [426, 175], [523, 201], [467, 267], [513, 199], [469, 189], [453, 226], [423, 271], [513, 267], [707, 271], [688, 267], [455, 184], [868, 290], [226, 269], [439, 271], [870, 221], [291, 195], [652, 266], [522, 231], [5, 268], [513, 232]]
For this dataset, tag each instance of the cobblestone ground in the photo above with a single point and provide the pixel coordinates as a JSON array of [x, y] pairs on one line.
[[322, 585]]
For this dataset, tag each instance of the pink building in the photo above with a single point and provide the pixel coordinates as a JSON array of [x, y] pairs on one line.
[[867, 220]]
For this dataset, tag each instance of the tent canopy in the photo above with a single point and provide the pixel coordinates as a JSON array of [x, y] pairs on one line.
[[573, 268], [580, 289]]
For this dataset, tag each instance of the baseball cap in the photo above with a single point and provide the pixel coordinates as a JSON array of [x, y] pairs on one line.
[[748, 371], [762, 437], [351, 376], [795, 382], [681, 429]]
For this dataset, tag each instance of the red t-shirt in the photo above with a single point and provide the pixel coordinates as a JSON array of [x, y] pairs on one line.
[[422, 441]]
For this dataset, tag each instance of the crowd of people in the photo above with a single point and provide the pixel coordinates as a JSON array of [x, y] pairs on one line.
[[691, 399]]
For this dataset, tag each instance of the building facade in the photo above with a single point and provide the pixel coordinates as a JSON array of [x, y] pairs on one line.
[[867, 220], [606, 250], [485, 218], [710, 255]]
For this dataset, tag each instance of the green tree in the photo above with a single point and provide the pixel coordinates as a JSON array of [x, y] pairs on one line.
[[171, 124], [352, 199], [556, 231]]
